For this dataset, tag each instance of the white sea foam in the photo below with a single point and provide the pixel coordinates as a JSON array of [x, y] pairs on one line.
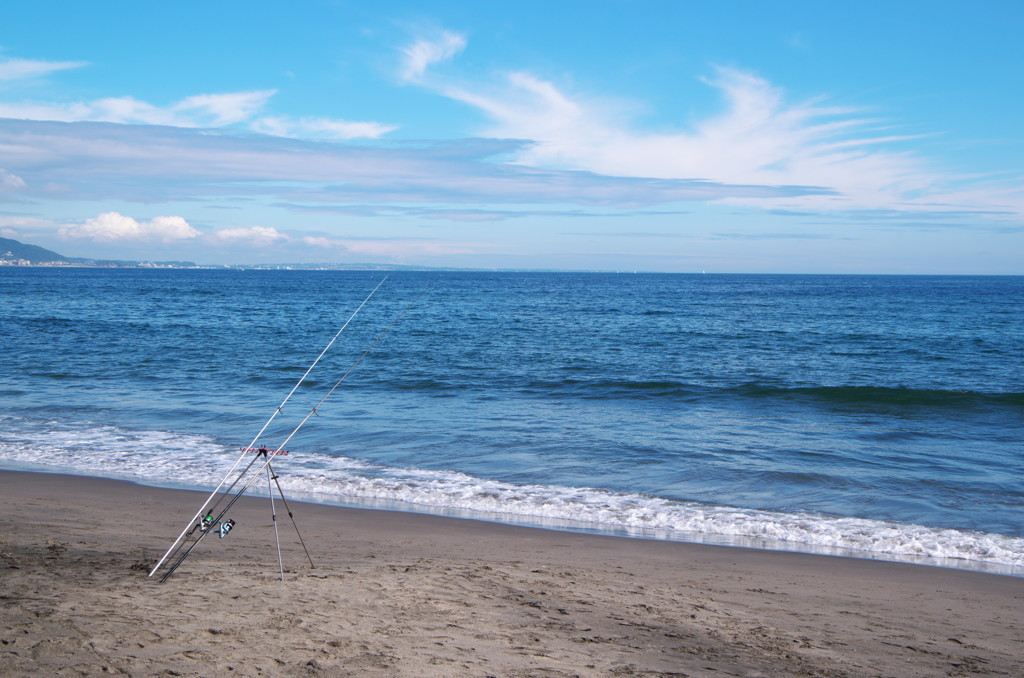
[[161, 458]]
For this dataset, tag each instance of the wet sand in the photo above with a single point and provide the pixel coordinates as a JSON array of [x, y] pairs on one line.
[[397, 594]]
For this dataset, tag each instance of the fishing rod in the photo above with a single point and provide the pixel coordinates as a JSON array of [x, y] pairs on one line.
[[189, 526], [268, 455], [314, 409]]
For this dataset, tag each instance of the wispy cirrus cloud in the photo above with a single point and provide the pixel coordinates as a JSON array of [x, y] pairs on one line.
[[148, 163], [426, 52], [24, 69], [320, 128], [461, 214], [759, 138], [243, 109], [774, 236], [239, 109], [566, 151], [207, 110]]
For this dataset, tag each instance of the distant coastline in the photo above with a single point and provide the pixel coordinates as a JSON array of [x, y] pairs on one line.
[[187, 265], [14, 254], [17, 254]]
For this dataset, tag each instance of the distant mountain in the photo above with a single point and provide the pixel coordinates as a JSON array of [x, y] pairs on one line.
[[12, 249]]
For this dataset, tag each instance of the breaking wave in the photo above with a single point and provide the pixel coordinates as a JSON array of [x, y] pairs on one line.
[[198, 462]]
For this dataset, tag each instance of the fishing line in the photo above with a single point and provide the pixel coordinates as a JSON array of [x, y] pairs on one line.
[[175, 545], [270, 454]]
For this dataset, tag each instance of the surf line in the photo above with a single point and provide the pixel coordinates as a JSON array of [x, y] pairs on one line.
[[194, 531]]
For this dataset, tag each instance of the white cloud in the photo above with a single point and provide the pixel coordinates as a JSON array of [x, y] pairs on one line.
[[18, 227], [254, 236], [204, 110], [224, 109], [758, 139], [561, 129], [424, 53], [21, 221], [207, 110], [320, 242], [9, 181], [20, 69], [320, 128], [144, 163], [44, 111], [114, 227]]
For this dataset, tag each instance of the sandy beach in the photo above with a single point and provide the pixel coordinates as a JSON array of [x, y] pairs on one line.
[[396, 594]]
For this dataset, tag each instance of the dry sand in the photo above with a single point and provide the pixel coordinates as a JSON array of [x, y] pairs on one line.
[[397, 594]]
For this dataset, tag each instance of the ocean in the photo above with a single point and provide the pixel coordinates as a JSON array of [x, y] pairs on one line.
[[868, 416]]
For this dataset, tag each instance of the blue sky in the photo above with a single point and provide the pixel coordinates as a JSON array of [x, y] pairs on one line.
[[805, 137]]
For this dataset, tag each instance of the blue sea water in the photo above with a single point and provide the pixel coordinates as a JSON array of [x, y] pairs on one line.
[[874, 416]]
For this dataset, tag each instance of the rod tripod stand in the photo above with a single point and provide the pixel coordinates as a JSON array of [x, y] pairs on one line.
[[272, 477], [195, 532], [213, 521]]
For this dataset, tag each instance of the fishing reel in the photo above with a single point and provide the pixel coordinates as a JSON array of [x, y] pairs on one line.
[[224, 527]]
